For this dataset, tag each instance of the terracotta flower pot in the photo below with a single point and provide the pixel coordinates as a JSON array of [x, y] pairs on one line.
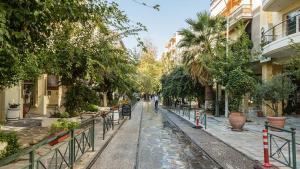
[[237, 121], [278, 122], [260, 114]]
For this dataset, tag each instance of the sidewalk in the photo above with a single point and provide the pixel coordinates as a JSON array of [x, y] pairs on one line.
[[121, 152], [250, 140]]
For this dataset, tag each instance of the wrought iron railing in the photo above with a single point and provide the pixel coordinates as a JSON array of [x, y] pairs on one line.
[[285, 28], [283, 148], [66, 153], [190, 114]]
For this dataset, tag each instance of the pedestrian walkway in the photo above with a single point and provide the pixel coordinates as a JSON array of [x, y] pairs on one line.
[[121, 152], [249, 141]]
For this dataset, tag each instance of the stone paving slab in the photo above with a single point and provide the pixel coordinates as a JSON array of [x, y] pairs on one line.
[[250, 140], [225, 155], [122, 150]]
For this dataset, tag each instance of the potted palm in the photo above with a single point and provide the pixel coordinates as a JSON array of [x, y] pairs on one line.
[[272, 93], [239, 83]]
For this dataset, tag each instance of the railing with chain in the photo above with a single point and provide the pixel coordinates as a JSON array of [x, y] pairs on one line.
[[191, 114], [285, 28], [282, 148]]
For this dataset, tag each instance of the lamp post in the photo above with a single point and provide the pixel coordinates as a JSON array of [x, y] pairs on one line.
[[227, 50]]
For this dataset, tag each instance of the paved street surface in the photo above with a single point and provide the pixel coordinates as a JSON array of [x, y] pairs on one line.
[[249, 141], [163, 146], [121, 151]]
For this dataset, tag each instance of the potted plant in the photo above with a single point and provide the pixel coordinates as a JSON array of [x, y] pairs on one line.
[[272, 93], [61, 126], [239, 83], [13, 112]]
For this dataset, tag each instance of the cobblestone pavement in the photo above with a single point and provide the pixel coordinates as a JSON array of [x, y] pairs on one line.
[[249, 141], [163, 146]]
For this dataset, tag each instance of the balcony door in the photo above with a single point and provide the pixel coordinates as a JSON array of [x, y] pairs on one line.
[[293, 22]]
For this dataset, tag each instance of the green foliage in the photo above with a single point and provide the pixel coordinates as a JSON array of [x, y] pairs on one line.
[[60, 115], [201, 43], [274, 91], [36, 34], [239, 83], [63, 125], [78, 98], [149, 71], [179, 84], [12, 144], [92, 108]]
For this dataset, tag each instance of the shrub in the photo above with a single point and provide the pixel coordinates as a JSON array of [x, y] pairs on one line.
[[63, 125], [60, 115], [92, 108], [272, 92], [78, 98], [10, 144], [239, 83]]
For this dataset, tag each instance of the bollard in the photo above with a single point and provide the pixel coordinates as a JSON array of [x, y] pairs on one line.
[[266, 149]]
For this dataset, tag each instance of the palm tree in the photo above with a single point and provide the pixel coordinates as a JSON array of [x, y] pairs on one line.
[[200, 43]]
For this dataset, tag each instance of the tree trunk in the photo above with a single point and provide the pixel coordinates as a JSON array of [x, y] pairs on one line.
[[104, 94], [208, 98]]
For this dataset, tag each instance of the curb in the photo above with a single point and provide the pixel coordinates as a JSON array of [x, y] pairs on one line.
[[258, 164], [95, 158]]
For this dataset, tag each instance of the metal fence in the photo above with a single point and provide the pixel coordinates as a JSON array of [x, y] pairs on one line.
[[283, 148], [65, 154], [190, 114]]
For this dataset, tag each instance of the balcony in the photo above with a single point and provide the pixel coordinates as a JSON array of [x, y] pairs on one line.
[[242, 12], [276, 5], [276, 40]]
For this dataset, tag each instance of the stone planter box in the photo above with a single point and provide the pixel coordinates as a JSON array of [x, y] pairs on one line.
[[13, 114]]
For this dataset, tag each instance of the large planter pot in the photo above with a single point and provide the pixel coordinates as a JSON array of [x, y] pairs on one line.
[[260, 113], [13, 114], [278, 122], [237, 121]]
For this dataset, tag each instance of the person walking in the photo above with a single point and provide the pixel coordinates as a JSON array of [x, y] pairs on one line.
[[156, 102]]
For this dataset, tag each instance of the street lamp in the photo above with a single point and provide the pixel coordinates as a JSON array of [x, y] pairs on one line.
[[227, 50]]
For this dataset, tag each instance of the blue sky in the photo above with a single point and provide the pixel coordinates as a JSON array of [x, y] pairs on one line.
[[161, 24]]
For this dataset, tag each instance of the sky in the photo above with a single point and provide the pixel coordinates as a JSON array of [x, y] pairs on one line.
[[161, 24]]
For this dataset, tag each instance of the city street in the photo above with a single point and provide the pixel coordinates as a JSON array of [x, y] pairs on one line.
[[160, 145]]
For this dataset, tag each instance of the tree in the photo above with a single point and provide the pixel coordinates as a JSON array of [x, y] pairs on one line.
[[27, 28], [179, 84], [201, 43], [149, 70]]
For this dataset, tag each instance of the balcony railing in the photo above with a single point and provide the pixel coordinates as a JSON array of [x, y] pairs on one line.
[[285, 28], [243, 11]]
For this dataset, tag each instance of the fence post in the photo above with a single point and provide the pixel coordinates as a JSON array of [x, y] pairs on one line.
[[113, 122], [31, 159], [93, 134], [71, 149], [294, 147], [104, 128], [205, 120]]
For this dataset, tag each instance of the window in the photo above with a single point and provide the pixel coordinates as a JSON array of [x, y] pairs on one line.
[[293, 22]]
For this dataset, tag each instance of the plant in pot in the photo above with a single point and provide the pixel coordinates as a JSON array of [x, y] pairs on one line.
[[272, 93], [239, 83], [61, 126], [13, 112]]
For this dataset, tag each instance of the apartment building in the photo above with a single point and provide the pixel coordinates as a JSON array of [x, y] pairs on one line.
[[280, 28], [38, 98], [271, 25], [172, 54]]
